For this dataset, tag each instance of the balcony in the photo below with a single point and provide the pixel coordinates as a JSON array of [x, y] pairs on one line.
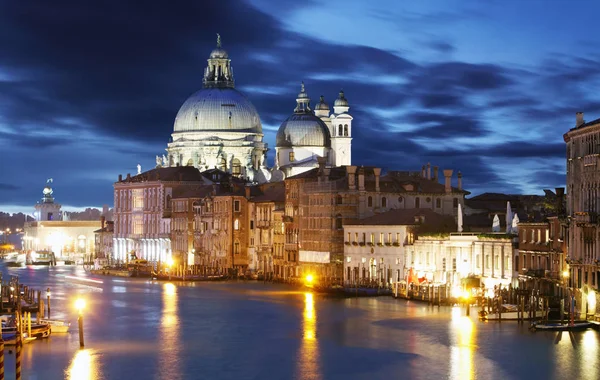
[[263, 224], [590, 160], [586, 218]]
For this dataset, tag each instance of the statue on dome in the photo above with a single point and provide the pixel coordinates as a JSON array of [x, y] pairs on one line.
[[218, 40], [158, 161], [139, 169], [165, 161]]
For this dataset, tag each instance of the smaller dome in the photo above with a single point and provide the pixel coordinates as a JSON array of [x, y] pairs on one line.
[[218, 53], [322, 106], [341, 101], [303, 129]]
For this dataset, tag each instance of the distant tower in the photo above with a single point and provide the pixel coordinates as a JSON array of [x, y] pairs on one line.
[[341, 132], [46, 209]]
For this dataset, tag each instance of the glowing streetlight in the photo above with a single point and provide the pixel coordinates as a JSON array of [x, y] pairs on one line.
[[565, 273], [309, 279], [80, 305]]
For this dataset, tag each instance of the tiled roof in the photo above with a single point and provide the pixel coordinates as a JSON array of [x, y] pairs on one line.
[[392, 181], [274, 192], [413, 216], [171, 174]]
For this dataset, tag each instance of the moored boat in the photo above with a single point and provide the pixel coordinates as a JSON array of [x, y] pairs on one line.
[[56, 326], [558, 326], [38, 331]]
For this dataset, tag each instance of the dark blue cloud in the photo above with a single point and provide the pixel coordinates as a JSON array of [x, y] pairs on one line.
[[87, 91]]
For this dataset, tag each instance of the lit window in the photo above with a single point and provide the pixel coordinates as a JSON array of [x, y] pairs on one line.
[[236, 224], [291, 156]]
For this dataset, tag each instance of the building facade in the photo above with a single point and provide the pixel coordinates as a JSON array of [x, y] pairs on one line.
[[447, 259], [583, 195], [142, 212]]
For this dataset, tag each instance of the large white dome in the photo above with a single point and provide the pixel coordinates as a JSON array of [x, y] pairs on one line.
[[219, 110]]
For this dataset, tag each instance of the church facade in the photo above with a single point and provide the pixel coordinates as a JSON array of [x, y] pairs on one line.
[[217, 127]]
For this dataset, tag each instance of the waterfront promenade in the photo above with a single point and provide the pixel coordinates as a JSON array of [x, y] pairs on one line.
[[137, 328]]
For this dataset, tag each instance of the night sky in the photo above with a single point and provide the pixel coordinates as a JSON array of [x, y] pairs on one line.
[[89, 91]]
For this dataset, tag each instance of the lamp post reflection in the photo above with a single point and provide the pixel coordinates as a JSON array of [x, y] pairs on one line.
[[462, 346], [308, 361], [170, 366], [83, 366]]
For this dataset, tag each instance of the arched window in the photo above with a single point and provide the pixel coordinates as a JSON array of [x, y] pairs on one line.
[[384, 202], [340, 130], [370, 202], [223, 165], [236, 247], [236, 224], [236, 167], [338, 222], [346, 130], [438, 203], [338, 199], [190, 162], [417, 202]]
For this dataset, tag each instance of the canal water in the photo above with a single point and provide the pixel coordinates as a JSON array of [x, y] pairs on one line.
[[140, 329]]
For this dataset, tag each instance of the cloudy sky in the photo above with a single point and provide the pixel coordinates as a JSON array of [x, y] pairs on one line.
[[485, 87]]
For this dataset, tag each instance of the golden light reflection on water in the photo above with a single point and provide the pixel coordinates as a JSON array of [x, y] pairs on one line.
[[462, 346], [169, 365], [83, 366], [589, 355], [308, 361]]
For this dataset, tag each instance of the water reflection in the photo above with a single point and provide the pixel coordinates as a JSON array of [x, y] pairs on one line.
[[308, 361], [83, 366], [589, 357], [169, 366], [462, 346]]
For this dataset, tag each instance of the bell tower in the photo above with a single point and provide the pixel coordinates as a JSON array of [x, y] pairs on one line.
[[341, 132]]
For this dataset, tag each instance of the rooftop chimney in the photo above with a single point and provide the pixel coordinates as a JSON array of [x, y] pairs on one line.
[[361, 179], [120, 177], [128, 176], [428, 170], [351, 173], [459, 185], [102, 221], [435, 174], [579, 119], [377, 172], [423, 171], [448, 177], [247, 189]]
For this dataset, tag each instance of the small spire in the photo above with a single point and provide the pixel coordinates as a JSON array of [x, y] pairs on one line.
[[218, 40], [322, 99], [302, 87]]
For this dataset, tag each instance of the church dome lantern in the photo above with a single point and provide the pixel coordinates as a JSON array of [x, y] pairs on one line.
[[303, 128], [218, 106]]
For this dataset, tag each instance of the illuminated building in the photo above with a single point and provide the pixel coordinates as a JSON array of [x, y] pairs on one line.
[[50, 232], [583, 198], [320, 201], [375, 247]]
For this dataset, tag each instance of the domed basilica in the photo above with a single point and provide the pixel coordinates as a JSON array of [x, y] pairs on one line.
[[218, 127]]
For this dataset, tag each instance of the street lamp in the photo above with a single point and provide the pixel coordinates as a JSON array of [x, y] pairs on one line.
[[48, 295], [80, 305]]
